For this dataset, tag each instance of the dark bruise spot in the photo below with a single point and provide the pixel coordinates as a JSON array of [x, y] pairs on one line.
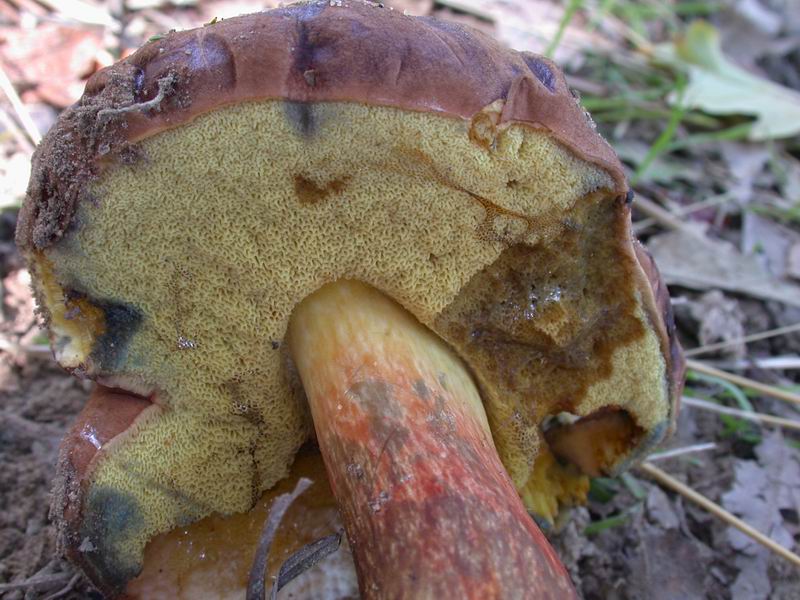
[[309, 192], [541, 70], [304, 45], [111, 518], [375, 397], [138, 84], [421, 389], [629, 197], [302, 118], [121, 323]]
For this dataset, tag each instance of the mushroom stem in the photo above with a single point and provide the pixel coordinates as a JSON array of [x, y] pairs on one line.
[[428, 507]]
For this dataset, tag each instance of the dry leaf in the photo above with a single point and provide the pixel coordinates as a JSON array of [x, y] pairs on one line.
[[774, 244], [691, 260], [762, 491], [55, 60], [721, 320]]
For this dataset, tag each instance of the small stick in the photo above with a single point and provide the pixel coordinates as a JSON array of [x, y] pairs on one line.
[[256, 587], [66, 589], [19, 107], [684, 211], [684, 490], [165, 85], [474, 9], [781, 363], [12, 347], [82, 12], [744, 340], [31, 7], [34, 583], [742, 414], [681, 451], [767, 390], [658, 213]]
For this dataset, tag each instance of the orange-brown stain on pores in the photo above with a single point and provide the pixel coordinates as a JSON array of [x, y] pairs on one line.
[[595, 442], [547, 318], [310, 192]]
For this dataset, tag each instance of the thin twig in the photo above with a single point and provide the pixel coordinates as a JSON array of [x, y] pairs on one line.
[[471, 8], [83, 12], [681, 451], [767, 390], [66, 589], [657, 212], [684, 490], [12, 347], [684, 211], [19, 108], [744, 340], [780, 363], [586, 86], [35, 583], [165, 85], [256, 586], [742, 414], [30, 7]]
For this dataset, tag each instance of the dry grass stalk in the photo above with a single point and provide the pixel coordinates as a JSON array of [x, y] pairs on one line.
[[684, 490], [763, 388], [742, 414], [681, 451], [19, 108], [762, 335]]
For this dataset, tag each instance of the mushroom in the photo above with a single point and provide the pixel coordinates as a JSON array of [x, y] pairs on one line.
[[387, 229]]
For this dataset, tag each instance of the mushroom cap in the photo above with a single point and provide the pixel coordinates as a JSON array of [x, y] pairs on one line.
[[206, 184]]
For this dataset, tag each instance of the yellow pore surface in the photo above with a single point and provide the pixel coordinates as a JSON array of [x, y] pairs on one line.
[[225, 224]]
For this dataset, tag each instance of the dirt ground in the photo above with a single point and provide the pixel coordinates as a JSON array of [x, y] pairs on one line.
[[634, 540]]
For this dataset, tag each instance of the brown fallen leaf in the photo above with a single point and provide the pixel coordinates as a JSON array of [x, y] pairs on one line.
[[720, 320], [53, 60], [766, 494], [777, 246], [690, 259]]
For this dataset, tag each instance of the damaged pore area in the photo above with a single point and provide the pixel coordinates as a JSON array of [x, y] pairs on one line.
[[597, 443]]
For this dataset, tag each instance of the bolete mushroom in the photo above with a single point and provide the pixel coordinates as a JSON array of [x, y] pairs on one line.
[[436, 224]]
